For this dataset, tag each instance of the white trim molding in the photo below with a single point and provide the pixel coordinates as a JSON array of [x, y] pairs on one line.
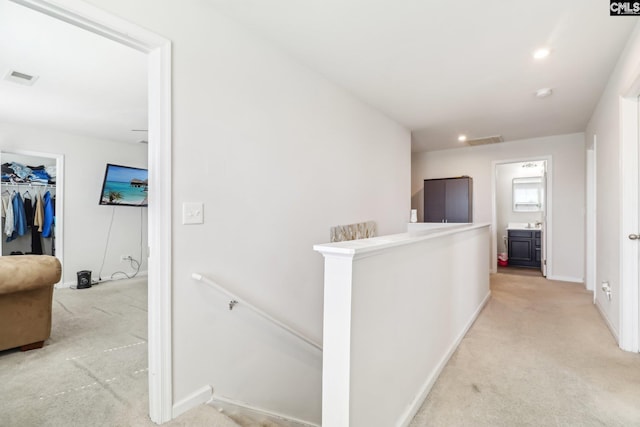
[[566, 279], [158, 49], [198, 397], [224, 403]]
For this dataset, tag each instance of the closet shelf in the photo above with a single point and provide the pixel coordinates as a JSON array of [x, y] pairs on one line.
[[27, 184]]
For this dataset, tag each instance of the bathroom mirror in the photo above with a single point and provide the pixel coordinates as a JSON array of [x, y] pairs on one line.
[[527, 194]]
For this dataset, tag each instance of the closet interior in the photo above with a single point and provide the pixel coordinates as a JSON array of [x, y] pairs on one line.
[[28, 194]]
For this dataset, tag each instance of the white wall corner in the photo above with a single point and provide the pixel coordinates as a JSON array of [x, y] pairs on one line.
[[198, 397]]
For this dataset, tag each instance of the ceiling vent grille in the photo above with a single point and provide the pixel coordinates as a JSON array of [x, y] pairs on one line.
[[20, 78], [485, 140]]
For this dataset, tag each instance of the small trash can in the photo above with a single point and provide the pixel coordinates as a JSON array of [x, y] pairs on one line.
[[503, 261], [84, 279]]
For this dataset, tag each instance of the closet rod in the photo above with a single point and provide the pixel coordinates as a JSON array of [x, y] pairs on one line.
[[28, 184]]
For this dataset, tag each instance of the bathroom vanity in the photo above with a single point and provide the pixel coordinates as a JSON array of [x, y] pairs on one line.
[[524, 248]]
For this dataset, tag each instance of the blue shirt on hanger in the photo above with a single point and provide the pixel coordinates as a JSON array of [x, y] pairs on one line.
[[48, 215], [19, 217]]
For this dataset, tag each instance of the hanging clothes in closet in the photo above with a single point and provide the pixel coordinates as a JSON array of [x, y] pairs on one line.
[[47, 225], [21, 212], [7, 213], [19, 216], [36, 235]]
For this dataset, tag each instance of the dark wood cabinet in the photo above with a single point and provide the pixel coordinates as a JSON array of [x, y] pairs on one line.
[[524, 248], [448, 200]]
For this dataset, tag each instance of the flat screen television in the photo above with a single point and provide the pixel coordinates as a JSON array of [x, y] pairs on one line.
[[124, 186]]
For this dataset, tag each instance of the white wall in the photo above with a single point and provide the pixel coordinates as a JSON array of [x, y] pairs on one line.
[[505, 173], [278, 155], [605, 123], [395, 311], [568, 182], [85, 222]]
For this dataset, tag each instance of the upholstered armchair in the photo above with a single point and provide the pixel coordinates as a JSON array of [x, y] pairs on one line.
[[26, 294]]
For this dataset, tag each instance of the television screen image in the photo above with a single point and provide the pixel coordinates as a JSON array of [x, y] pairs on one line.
[[124, 186]]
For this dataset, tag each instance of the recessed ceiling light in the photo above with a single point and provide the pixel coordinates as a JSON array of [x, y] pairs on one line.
[[462, 138], [544, 92], [541, 53]]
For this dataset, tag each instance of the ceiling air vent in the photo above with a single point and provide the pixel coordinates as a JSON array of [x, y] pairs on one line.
[[486, 140], [20, 78]]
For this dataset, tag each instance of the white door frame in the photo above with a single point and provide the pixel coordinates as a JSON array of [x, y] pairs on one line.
[[548, 235], [629, 331], [591, 203], [59, 228], [158, 50]]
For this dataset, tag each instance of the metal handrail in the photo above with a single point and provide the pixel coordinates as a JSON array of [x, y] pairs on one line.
[[236, 300]]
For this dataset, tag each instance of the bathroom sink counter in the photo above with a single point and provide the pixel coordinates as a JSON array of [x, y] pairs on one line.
[[523, 226]]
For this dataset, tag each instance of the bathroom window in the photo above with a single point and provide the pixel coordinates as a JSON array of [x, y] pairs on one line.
[[527, 194]]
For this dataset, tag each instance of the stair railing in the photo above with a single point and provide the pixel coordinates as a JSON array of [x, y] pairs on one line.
[[236, 300]]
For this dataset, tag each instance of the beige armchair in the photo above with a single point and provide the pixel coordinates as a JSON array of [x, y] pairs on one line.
[[26, 294]]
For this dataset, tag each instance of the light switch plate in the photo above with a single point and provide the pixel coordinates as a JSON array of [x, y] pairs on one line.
[[192, 213]]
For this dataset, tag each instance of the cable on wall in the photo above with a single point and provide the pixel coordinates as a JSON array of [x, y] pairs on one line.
[[106, 246], [134, 263]]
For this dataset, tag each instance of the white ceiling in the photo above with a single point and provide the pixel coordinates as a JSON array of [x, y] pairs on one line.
[[442, 68], [438, 68], [87, 85]]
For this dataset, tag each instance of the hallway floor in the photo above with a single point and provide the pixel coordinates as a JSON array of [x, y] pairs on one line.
[[538, 355]]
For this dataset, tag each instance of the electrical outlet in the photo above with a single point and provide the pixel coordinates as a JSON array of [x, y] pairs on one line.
[[125, 257], [606, 288]]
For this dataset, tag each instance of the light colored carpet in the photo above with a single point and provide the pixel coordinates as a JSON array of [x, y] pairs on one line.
[[93, 369], [538, 355]]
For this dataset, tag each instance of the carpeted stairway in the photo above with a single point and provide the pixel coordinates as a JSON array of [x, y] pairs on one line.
[[93, 369]]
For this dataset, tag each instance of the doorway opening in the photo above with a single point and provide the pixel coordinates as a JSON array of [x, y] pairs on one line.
[[521, 221], [158, 51]]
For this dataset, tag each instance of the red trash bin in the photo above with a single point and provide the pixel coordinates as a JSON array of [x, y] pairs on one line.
[[503, 261]]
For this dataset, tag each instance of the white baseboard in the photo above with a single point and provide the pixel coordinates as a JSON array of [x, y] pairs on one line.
[[411, 412], [607, 322], [226, 404], [198, 397], [566, 279]]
